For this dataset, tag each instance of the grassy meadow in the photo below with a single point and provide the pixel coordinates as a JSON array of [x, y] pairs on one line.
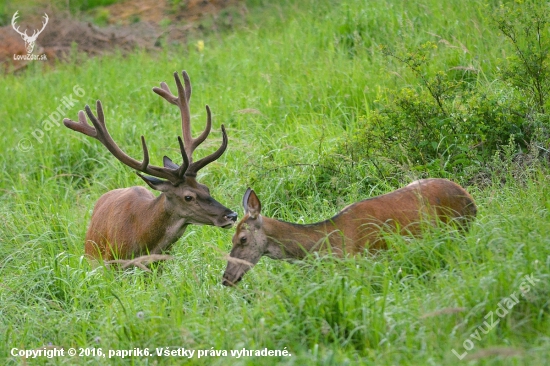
[[293, 84]]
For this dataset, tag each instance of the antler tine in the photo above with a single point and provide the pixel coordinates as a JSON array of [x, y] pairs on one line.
[[183, 104], [206, 132], [101, 134], [196, 166], [187, 82], [145, 162], [182, 101], [164, 91], [81, 126], [185, 165]]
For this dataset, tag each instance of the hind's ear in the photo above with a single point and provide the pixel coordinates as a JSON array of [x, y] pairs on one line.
[[245, 199], [252, 204]]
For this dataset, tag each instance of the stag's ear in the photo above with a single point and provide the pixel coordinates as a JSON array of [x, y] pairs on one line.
[[252, 205], [155, 183], [167, 162]]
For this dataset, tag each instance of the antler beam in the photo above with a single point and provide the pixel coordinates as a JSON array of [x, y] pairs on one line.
[[182, 101], [172, 172], [100, 133]]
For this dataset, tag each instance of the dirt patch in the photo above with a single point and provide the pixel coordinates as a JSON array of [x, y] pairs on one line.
[[145, 24], [157, 11]]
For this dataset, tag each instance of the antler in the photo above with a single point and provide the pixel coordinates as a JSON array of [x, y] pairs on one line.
[[171, 171], [182, 101]]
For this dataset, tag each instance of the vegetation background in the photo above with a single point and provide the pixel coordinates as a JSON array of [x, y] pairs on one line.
[[325, 103]]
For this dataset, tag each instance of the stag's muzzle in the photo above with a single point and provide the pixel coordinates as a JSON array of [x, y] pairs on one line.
[[232, 216]]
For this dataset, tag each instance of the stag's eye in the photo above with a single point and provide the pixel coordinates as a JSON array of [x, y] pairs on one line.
[[188, 198], [243, 240]]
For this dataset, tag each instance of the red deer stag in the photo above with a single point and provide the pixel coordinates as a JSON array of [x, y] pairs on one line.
[[130, 222], [356, 226]]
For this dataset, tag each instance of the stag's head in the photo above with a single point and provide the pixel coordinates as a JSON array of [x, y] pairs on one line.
[[191, 200], [30, 41], [250, 241], [185, 197]]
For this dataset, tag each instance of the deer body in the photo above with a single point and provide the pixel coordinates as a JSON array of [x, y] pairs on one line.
[[148, 224], [354, 229], [140, 233], [142, 213], [130, 222]]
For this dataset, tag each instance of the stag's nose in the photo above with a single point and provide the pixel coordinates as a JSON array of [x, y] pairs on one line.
[[232, 216]]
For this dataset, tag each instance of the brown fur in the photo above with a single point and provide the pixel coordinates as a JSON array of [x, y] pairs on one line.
[[111, 238], [357, 226], [130, 222]]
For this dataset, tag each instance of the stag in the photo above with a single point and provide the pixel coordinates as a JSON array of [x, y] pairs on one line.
[[356, 226], [130, 222], [30, 41]]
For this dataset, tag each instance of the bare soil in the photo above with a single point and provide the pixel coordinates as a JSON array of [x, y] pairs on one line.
[[143, 24]]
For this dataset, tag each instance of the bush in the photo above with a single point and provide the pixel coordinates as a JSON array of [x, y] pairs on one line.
[[452, 121]]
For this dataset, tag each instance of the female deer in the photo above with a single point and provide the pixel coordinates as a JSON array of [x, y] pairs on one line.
[[356, 226]]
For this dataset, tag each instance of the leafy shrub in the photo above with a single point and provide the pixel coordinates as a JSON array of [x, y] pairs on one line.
[[526, 26], [450, 122]]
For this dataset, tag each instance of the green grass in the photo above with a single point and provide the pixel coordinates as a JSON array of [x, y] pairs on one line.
[[312, 70]]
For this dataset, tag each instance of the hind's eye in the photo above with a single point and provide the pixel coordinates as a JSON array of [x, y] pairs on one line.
[[188, 198]]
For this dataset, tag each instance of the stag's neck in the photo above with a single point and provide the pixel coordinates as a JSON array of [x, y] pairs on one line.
[[294, 241], [161, 227]]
